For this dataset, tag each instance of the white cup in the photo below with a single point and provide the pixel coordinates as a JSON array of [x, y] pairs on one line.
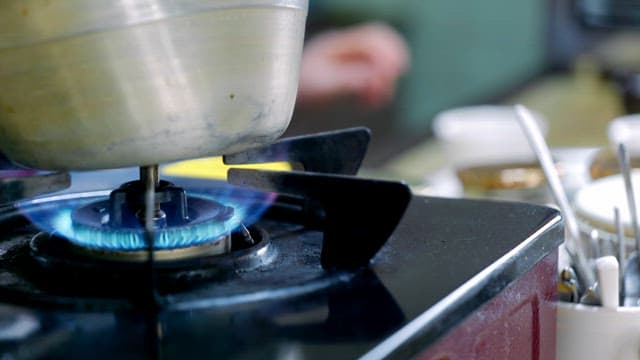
[[593, 332], [626, 130], [484, 135]]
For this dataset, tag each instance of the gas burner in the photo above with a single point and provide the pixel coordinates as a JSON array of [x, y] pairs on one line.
[[95, 245], [93, 271], [304, 232], [215, 247], [113, 227], [271, 258]]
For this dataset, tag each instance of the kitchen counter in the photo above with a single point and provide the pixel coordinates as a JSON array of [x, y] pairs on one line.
[[577, 106]]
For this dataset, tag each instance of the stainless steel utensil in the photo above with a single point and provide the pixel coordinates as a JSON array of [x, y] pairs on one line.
[[594, 238], [591, 296], [622, 249], [632, 267], [568, 286], [92, 84], [572, 243]]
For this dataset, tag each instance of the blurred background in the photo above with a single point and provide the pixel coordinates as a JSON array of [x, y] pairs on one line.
[[535, 52]]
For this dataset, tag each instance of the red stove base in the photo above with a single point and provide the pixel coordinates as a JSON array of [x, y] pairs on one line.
[[518, 324]]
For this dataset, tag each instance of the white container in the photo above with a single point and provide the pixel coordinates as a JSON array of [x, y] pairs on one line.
[[484, 135], [591, 332], [594, 203], [626, 130]]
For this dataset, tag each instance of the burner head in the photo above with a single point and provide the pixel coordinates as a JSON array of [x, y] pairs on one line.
[[113, 226], [221, 245], [63, 268], [105, 224]]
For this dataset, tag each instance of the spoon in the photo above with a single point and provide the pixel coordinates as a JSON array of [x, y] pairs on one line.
[[591, 296], [622, 249], [568, 286], [539, 145], [632, 267], [595, 244]]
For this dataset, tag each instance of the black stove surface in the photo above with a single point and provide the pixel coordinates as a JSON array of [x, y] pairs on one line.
[[290, 307], [328, 274]]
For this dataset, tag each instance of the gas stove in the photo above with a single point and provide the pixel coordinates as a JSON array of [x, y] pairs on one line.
[[309, 263]]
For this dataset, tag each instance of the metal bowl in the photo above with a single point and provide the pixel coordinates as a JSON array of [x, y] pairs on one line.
[[90, 84]]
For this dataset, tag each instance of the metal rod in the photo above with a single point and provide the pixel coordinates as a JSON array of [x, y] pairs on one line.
[[539, 146], [150, 175], [622, 249], [623, 158], [150, 178], [595, 244]]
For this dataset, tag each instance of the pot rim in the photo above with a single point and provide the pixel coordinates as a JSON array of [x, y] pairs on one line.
[[28, 22]]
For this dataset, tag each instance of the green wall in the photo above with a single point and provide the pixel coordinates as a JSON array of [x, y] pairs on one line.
[[463, 51]]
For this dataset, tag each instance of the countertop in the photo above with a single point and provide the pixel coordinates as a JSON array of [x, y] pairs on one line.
[[578, 106]]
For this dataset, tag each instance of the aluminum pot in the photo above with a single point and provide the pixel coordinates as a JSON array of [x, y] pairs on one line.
[[92, 84]]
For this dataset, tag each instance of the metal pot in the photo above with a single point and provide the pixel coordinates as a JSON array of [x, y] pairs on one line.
[[90, 84]]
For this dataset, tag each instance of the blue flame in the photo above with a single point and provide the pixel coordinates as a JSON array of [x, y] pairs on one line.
[[54, 215]]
